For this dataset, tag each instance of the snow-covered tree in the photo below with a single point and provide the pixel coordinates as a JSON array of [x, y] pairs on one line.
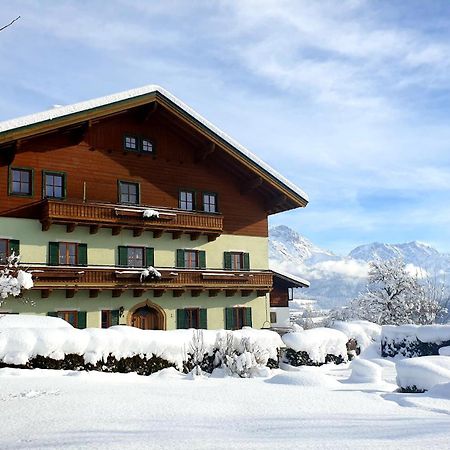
[[393, 296], [13, 279]]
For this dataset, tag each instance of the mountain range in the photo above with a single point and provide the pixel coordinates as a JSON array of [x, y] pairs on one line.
[[336, 279]]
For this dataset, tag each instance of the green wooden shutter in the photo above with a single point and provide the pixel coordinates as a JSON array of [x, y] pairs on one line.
[[229, 322], [53, 253], [227, 260], [246, 261], [52, 314], [64, 182], [180, 258], [14, 245], [114, 317], [81, 319], [123, 255], [181, 319], [82, 254], [149, 256], [248, 317], [203, 319], [202, 259]]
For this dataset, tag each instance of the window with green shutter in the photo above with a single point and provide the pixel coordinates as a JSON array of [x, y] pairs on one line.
[[67, 254], [81, 322], [191, 259], [7, 248], [110, 318], [192, 318], [136, 256], [53, 253], [236, 261], [203, 319], [181, 319], [180, 259], [149, 256], [238, 317]]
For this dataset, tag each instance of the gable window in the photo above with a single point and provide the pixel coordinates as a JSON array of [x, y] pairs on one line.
[[128, 193], [21, 182], [76, 318], [147, 146], [136, 256], [187, 200], [210, 202], [54, 185], [67, 254], [130, 143], [110, 318], [192, 318], [191, 259], [7, 248], [238, 317], [236, 261]]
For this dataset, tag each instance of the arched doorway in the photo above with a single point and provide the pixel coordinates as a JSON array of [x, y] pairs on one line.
[[147, 317]]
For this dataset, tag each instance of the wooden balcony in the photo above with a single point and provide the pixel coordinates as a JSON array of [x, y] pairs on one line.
[[122, 217], [117, 280]]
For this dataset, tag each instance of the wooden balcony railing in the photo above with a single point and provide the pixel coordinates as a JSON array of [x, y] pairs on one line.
[[119, 217], [118, 280]]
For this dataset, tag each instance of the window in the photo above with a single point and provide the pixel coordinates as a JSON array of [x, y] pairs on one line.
[[136, 256], [273, 317], [128, 193], [54, 185], [137, 144], [187, 200], [7, 248], [191, 259], [67, 254], [236, 261], [21, 182], [110, 318], [210, 202], [191, 318], [147, 146], [76, 318], [238, 317], [130, 143]]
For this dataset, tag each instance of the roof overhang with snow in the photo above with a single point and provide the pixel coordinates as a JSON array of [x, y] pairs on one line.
[[291, 280], [44, 122]]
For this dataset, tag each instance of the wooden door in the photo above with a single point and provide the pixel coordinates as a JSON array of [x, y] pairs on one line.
[[146, 318]]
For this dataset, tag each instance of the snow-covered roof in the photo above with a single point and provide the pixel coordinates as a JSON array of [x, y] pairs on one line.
[[291, 278], [75, 108]]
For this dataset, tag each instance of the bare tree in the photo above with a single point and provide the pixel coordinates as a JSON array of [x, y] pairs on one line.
[[10, 23]]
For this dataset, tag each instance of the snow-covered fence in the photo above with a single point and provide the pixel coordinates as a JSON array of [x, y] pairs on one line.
[[46, 342], [414, 340], [315, 347]]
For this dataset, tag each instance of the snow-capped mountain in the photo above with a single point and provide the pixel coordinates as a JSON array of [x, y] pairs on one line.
[[337, 279]]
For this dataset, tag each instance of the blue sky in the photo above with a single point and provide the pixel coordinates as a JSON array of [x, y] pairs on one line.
[[350, 99]]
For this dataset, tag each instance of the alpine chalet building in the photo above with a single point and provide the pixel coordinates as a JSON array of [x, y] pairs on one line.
[[133, 209]]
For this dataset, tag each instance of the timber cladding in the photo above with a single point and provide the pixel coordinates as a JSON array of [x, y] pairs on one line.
[[94, 155]]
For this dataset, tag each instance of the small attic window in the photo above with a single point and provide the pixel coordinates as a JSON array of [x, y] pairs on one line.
[[147, 146], [130, 143]]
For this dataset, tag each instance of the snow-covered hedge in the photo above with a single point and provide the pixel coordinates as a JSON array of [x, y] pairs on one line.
[[44, 340], [414, 340], [364, 332], [421, 374], [315, 347]]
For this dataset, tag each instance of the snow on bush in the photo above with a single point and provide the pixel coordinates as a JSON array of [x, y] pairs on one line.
[[150, 272], [13, 279], [317, 344], [414, 340], [150, 214], [304, 378], [422, 374], [444, 351], [31, 321], [362, 331], [20, 344], [365, 371]]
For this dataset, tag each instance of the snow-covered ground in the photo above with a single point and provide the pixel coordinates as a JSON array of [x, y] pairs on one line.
[[312, 407]]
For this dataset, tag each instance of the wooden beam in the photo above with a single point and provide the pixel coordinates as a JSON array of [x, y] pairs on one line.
[[137, 232], [93, 293], [177, 292], [117, 292], [46, 224], [70, 293], [70, 227], [93, 229], [195, 236], [262, 292], [230, 292], [45, 293], [246, 292], [138, 292], [157, 234], [116, 230], [196, 292], [158, 292], [212, 237], [176, 234], [213, 292]]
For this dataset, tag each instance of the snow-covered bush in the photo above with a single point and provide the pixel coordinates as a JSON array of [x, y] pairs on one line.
[[362, 331], [414, 340], [315, 347], [365, 371], [150, 272], [393, 296], [421, 374], [13, 279]]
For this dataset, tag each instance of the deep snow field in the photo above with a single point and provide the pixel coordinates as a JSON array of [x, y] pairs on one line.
[[306, 408]]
